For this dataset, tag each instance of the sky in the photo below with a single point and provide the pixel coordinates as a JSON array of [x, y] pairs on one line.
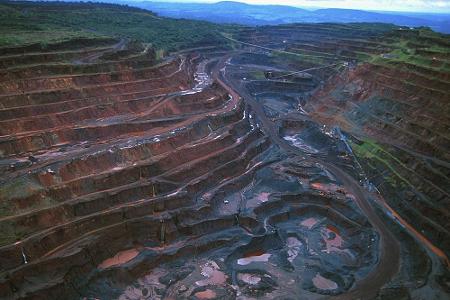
[[442, 6]]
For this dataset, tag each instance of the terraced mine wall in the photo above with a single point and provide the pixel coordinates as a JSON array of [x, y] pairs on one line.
[[402, 111], [84, 148], [376, 106], [201, 176], [139, 157], [391, 94]]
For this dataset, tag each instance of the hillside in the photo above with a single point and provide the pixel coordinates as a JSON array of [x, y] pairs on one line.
[[240, 13], [49, 22], [143, 157]]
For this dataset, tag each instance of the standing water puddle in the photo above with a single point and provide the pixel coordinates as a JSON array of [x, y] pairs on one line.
[[294, 246], [309, 223], [249, 278], [333, 240], [255, 256], [213, 275], [119, 259], [206, 294], [323, 283]]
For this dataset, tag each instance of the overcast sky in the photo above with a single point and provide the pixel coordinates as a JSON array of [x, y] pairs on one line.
[[386, 5]]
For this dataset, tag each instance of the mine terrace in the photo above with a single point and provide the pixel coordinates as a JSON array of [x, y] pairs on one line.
[[280, 162]]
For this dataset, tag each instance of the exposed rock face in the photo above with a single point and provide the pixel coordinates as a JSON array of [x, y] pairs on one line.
[[110, 149], [398, 113], [203, 177]]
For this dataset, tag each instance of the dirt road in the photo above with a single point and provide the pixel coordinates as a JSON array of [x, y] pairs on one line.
[[389, 252]]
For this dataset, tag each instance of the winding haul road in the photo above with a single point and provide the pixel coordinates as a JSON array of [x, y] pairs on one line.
[[389, 252]]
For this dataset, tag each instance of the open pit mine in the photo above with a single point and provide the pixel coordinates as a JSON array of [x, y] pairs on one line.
[[292, 162]]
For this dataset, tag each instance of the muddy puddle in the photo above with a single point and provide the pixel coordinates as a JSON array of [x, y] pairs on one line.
[[286, 240]]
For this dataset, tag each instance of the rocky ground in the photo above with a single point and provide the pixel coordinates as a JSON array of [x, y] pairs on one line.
[[306, 162]]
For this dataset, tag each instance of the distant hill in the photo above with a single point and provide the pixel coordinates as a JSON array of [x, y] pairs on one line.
[[241, 13], [47, 22], [228, 12]]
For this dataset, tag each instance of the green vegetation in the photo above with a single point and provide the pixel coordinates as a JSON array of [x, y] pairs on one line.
[[10, 233], [18, 189], [377, 158], [257, 75], [421, 47], [50, 22]]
